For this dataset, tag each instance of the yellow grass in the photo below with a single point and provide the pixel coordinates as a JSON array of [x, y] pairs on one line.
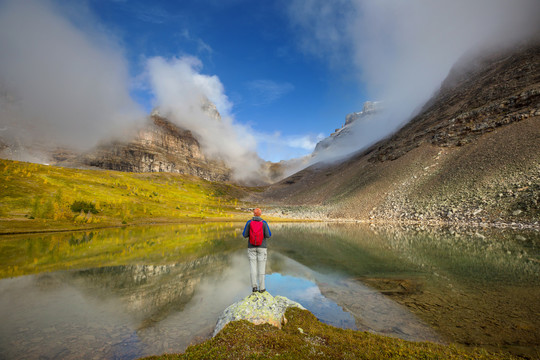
[[36, 197]]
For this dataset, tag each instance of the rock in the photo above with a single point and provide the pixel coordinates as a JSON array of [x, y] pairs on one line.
[[257, 308], [160, 146]]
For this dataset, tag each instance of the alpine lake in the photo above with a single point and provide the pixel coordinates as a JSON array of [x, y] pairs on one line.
[[124, 293]]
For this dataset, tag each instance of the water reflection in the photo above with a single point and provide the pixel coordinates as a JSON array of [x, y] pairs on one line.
[[474, 255], [126, 293], [477, 287], [134, 310], [308, 293], [23, 255], [371, 311]]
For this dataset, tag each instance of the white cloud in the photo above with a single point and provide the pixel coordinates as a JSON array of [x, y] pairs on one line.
[[71, 87], [306, 142], [181, 90], [202, 47], [322, 28]]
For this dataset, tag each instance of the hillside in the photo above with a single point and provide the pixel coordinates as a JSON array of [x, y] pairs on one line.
[[471, 154], [36, 197]]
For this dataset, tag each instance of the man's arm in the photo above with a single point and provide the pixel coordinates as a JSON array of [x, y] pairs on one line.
[[267, 232], [245, 233]]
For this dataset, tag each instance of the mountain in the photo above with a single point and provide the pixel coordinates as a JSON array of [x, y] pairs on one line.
[[471, 154], [159, 146], [339, 142], [369, 110]]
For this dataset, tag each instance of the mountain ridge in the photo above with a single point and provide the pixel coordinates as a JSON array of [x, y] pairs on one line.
[[471, 154]]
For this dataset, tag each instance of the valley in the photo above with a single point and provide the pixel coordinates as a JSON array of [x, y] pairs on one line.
[[437, 222]]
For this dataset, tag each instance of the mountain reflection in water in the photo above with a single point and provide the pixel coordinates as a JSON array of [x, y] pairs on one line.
[[126, 293]]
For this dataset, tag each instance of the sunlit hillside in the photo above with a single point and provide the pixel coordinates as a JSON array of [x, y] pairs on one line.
[[34, 196]]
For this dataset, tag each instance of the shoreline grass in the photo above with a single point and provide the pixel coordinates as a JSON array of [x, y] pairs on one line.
[[305, 337]]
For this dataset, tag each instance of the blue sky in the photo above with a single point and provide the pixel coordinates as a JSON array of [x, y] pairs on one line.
[[274, 86]]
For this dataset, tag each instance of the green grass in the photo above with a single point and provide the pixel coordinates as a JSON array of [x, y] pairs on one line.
[[37, 197], [304, 337]]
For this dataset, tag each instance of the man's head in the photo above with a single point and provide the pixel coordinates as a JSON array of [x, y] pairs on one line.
[[257, 212]]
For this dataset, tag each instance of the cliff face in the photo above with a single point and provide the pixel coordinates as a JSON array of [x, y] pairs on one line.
[[471, 154], [160, 146], [157, 146]]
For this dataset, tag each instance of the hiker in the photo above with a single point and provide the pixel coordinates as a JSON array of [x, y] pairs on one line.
[[257, 231]]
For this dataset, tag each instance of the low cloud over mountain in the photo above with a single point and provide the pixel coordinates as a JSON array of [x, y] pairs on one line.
[[403, 50]]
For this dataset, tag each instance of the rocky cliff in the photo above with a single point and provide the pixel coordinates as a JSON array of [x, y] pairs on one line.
[[160, 146], [470, 155]]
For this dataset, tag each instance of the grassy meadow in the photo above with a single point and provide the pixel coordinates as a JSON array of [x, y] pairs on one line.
[[35, 197]]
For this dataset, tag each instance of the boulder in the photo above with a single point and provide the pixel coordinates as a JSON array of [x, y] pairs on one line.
[[257, 308]]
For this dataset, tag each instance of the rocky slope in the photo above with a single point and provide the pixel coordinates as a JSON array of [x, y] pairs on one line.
[[471, 154]]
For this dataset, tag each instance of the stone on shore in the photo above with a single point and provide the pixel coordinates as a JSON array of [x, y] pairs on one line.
[[257, 308]]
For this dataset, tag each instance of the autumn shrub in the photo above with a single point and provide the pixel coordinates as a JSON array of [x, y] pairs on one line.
[[80, 205]]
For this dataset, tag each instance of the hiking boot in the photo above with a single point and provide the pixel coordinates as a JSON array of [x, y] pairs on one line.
[[255, 289], [263, 290]]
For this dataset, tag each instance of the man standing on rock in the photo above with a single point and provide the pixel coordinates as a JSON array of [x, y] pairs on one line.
[[257, 231]]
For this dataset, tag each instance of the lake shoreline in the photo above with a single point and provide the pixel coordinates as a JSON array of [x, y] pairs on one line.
[[63, 226], [39, 226]]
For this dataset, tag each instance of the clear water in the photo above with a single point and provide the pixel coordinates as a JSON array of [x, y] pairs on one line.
[[131, 292]]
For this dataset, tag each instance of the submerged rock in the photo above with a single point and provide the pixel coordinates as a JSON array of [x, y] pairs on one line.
[[257, 308]]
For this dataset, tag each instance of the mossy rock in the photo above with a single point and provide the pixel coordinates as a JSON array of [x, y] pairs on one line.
[[257, 308]]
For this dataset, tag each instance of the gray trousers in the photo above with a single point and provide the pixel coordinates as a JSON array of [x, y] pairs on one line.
[[257, 266]]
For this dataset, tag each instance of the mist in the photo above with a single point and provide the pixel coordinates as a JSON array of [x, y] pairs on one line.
[[67, 85], [401, 51], [59, 84], [184, 95]]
